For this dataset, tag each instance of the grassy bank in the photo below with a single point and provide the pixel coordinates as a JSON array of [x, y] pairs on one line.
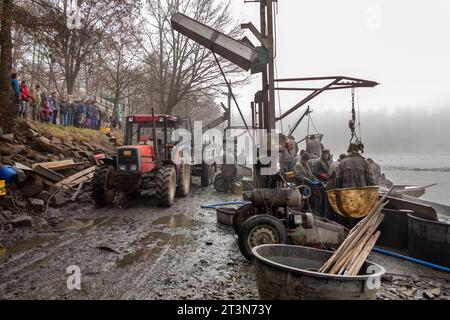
[[76, 135]]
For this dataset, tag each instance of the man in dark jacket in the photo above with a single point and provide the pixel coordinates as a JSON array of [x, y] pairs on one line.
[[321, 166], [353, 171], [302, 168], [64, 112]]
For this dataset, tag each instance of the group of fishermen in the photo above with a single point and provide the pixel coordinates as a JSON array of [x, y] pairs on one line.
[[316, 163], [315, 168]]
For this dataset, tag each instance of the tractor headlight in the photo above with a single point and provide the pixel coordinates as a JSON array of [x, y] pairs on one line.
[[123, 167], [133, 167]]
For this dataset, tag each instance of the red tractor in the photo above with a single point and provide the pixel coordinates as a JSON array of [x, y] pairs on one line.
[[150, 160]]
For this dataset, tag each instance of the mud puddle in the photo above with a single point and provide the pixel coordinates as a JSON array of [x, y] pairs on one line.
[[83, 224], [28, 244], [158, 241], [179, 221], [138, 256]]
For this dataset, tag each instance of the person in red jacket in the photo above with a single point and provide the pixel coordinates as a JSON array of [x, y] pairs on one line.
[[24, 99]]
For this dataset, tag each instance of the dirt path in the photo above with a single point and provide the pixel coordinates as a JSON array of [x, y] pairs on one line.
[[145, 252], [138, 252]]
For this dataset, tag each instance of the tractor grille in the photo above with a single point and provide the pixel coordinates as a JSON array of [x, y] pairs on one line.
[[127, 159], [128, 182]]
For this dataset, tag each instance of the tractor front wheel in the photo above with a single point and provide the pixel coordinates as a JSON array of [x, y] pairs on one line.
[[166, 184], [103, 190]]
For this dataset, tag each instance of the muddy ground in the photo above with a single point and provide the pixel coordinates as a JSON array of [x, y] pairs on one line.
[[140, 251]]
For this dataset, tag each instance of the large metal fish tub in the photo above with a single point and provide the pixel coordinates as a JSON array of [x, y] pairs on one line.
[[355, 203], [286, 272]]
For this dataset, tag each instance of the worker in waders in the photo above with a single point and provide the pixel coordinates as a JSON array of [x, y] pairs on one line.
[[354, 171]]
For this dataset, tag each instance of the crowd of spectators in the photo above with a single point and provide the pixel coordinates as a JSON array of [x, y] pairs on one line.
[[60, 110]]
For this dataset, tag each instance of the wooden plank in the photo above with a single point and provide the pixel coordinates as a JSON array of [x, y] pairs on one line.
[[22, 167], [76, 176], [361, 246], [48, 174], [54, 164], [81, 180], [355, 235], [77, 193], [354, 270], [75, 166]]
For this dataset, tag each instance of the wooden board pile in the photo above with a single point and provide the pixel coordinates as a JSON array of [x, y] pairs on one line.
[[55, 182], [350, 257]]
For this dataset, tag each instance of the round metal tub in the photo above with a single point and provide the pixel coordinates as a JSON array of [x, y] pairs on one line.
[[286, 272], [429, 240], [353, 203]]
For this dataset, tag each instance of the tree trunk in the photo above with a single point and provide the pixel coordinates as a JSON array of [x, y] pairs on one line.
[[7, 111], [70, 84]]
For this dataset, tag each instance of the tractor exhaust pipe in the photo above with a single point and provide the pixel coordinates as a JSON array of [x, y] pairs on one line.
[[155, 142]]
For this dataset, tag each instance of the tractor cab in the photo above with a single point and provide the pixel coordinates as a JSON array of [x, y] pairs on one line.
[[152, 136], [139, 130]]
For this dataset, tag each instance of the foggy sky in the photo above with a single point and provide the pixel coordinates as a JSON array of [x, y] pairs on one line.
[[403, 45]]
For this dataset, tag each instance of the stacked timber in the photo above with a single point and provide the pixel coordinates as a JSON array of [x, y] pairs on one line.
[[56, 182], [350, 257]]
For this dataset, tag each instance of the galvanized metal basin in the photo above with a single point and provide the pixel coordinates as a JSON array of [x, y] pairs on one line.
[[353, 203], [429, 240], [285, 272]]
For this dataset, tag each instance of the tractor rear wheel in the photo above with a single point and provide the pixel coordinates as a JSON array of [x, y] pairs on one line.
[[184, 180], [219, 183], [259, 230], [103, 190], [166, 184], [206, 175], [212, 172]]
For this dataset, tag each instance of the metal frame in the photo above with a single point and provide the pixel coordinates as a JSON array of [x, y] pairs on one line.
[[337, 83]]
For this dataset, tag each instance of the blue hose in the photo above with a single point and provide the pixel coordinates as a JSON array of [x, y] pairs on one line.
[[424, 263], [213, 206]]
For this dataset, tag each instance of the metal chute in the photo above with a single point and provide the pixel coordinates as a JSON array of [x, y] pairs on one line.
[[233, 50]]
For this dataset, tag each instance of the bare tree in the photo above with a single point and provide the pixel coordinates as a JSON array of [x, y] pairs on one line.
[[182, 68], [7, 114], [69, 44], [120, 57]]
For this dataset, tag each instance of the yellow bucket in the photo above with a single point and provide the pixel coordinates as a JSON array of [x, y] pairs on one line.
[[353, 203], [2, 188], [105, 130], [290, 176]]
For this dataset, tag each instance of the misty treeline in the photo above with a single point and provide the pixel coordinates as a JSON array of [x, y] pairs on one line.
[[404, 130], [125, 50]]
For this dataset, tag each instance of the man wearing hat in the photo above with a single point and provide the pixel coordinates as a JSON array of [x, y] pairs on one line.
[[302, 168], [353, 171], [321, 166]]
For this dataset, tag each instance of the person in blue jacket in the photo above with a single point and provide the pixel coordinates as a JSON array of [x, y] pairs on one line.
[[16, 88]]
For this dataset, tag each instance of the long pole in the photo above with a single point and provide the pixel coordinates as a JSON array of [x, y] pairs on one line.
[[268, 106], [270, 112], [264, 73]]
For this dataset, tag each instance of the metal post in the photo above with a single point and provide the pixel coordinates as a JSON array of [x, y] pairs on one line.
[[270, 110], [165, 138], [252, 107], [267, 107], [155, 141]]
